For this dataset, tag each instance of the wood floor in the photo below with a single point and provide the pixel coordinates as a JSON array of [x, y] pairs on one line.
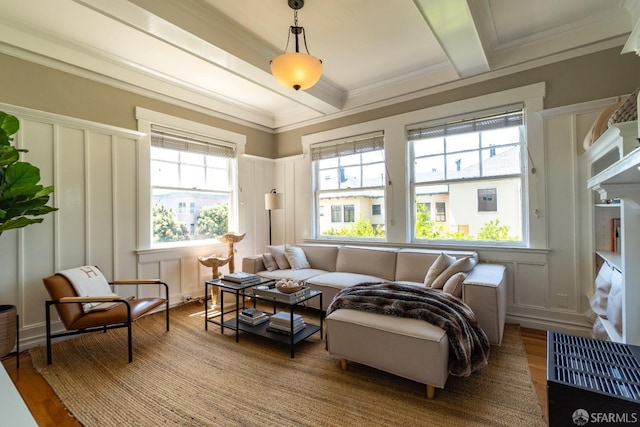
[[49, 411]]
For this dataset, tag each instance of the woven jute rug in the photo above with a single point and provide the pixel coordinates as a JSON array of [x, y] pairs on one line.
[[189, 377]]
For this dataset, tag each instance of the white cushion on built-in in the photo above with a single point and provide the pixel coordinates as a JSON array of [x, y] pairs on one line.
[[614, 303], [600, 297]]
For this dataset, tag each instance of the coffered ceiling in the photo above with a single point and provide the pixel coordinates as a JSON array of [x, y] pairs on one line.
[[213, 55]]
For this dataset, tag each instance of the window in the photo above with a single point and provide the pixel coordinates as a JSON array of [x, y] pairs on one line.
[[376, 210], [349, 213], [193, 170], [350, 175], [441, 212], [336, 213], [487, 200], [458, 160]]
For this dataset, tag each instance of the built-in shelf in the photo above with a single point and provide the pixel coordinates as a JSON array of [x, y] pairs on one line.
[[613, 258], [622, 177], [612, 164]]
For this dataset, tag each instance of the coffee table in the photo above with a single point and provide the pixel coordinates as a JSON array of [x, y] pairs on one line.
[[240, 292]]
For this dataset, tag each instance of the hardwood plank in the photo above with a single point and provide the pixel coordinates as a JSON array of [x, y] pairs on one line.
[[48, 411]]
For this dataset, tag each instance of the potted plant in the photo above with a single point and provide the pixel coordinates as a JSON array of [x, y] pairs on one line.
[[22, 201]]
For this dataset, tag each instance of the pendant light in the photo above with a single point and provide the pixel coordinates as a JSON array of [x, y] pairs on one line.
[[296, 70]]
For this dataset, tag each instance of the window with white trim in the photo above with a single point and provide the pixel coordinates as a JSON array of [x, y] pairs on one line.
[[350, 175], [454, 161], [192, 170]]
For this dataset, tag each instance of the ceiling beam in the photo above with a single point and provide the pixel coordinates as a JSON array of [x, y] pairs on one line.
[[453, 26]]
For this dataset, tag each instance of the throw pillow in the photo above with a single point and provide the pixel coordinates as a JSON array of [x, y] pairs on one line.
[[601, 124], [453, 286], [296, 257], [462, 265], [269, 262], [88, 281], [439, 265], [278, 254], [628, 111]]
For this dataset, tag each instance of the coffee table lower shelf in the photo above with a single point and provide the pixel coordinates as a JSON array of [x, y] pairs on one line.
[[262, 331]]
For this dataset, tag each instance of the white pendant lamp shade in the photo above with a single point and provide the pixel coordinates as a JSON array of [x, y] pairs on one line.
[[296, 70]]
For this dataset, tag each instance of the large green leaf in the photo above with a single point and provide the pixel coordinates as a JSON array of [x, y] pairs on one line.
[[8, 126], [20, 178], [21, 195]]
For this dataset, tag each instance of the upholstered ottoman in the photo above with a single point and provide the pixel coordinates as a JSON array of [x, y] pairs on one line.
[[409, 348]]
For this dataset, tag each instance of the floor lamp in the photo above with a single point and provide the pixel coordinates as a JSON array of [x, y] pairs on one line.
[[273, 200]]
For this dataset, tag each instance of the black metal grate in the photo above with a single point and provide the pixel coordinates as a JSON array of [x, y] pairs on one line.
[[602, 366]]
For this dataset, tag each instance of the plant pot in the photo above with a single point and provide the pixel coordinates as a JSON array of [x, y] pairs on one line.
[[8, 319]]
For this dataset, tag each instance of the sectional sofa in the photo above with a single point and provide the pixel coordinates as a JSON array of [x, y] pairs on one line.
[[407, 347]]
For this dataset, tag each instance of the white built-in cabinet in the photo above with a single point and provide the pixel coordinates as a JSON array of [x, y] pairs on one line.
[[613, 162]]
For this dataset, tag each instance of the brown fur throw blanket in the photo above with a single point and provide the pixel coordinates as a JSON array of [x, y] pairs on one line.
[[469, 345]]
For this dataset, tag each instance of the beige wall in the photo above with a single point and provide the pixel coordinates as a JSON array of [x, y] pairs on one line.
[[576, 80], [30, 85]]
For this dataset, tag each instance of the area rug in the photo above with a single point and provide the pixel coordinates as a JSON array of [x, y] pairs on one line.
[[193, 377]]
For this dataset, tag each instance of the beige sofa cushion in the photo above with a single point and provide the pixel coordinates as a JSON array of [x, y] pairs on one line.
[[321, 257], [278, 254], [379, 262], [439, 265]]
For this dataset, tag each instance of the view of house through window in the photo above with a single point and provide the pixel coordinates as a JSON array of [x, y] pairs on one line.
[[350, 178], [459, 168], [194, 173]]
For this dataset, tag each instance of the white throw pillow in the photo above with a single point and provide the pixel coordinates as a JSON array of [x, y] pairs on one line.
[[278, 254], [296, 257], [439, 265], [269, 262], [600, 298], [461, 265], [453, 286]]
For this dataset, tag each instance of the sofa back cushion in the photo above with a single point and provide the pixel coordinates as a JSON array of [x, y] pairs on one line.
[[321, 257], [413, 264], [379, 262]]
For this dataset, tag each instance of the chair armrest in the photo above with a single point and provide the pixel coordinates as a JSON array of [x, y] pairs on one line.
[[143, 282], [137, 282], [97, 298]]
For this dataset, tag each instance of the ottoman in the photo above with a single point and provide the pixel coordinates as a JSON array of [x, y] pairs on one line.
[[409, 348]]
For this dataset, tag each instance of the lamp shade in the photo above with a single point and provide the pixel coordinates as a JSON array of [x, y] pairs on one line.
[[296, 70], [273, 201]]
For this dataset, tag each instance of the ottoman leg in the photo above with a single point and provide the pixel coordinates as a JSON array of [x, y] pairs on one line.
[[431, 391], [344, 364]]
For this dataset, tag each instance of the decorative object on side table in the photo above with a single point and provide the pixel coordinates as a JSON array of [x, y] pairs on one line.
[[231, 238], [289, 286], [215, 262]]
